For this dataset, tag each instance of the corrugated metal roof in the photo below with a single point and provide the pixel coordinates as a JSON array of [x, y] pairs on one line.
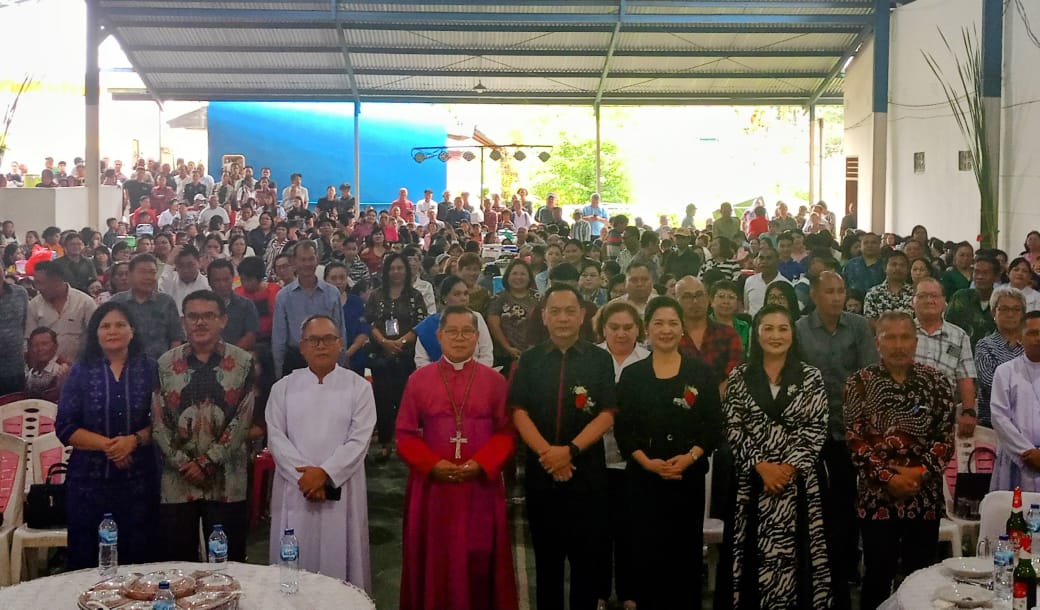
[[531, 51]]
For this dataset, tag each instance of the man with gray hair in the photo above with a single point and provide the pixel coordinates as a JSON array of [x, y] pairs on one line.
[[300, 299]]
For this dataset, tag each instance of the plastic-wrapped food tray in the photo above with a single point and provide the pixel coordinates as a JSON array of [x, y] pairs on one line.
[[202, 590]]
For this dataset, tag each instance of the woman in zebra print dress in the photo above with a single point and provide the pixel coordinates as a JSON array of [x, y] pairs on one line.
[[776, 419]]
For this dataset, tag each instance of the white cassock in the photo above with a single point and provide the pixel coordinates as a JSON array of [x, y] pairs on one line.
[[1015, 411], [328, 425]]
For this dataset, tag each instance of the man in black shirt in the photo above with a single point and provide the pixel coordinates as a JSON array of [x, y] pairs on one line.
[[563, 401], [195, 187], [346, 209], [684, 260], [136, 188]]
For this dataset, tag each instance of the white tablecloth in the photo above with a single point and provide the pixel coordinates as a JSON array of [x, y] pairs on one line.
[[918, 591], [259, 589]]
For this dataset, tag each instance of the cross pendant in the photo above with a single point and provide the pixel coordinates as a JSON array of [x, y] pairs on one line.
[[458, 440]]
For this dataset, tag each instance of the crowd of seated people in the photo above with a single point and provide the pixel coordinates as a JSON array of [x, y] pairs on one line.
[[805, 329]]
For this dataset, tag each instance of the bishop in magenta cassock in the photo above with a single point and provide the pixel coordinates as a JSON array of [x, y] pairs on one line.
[[454, 434], [319, 425]]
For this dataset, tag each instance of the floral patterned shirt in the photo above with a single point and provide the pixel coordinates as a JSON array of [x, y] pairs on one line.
[[201, 413], [899, 424], [880, 299]]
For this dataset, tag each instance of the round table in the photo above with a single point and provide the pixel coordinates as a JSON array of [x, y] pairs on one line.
[[918, 591], [259, 589]]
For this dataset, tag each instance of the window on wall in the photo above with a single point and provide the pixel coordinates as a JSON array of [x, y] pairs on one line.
[[964, 161], [918, 162]]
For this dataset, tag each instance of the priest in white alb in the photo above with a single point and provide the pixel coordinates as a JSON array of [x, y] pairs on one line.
[[1015, 412], [319, 424]]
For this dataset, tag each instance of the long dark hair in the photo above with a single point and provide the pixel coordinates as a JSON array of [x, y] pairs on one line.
[[387, 261], [92, 351], [756, 356], [789, 295]]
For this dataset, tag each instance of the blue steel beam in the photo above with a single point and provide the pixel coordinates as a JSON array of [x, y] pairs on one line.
[[835, 70], [177, 17], [438, 73], [491, 51], [882, 50], [992, 47]]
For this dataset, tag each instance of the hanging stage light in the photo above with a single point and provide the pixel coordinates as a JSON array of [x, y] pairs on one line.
[[443, 156], [468, 155], [495, 155], [419, 157], [519, 155]]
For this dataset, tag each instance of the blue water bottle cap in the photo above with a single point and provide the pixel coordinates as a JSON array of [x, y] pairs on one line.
[[218, 527], [1004, 537], [165, 584], [108, 515], [1035, 506], [290, 532]]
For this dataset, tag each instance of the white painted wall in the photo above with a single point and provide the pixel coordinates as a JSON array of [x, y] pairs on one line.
[[66, 208], [1020, 169], [859, 125], [942, 198]]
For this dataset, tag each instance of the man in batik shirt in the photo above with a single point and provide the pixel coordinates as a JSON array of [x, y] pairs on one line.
[[899, 427], [201, 414]]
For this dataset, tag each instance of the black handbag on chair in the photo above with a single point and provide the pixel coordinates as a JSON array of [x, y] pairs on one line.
[[45, 503], [971, 488]]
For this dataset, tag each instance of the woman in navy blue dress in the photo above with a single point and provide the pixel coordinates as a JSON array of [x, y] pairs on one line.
[[105, 414]]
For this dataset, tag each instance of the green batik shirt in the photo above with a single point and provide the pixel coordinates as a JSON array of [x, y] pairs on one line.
[[201, 413]]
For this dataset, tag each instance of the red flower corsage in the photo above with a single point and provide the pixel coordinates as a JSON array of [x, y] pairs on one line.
[[582, 401]]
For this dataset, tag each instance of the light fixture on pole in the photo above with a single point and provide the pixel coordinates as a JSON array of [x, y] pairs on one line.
[[519, 155]]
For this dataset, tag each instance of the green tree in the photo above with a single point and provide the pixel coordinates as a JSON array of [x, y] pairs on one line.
[[571, 172]]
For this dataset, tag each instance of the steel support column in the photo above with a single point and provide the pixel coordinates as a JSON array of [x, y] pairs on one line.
[[992, 76], [92, 99], [599, 169], [879, 177], [813, 195], [357, 159]]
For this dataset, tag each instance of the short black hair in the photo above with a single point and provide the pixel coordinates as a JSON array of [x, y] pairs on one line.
[[220, 263], [51, 269], [562, 288], [141, 259], [186, 251], [252, 267], [564, 272], [204, 295]]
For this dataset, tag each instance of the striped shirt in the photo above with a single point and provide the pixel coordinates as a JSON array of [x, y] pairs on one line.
[[990, 352], [947, 350]]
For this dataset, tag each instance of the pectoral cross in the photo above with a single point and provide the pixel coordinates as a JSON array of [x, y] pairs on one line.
[[458, 440]]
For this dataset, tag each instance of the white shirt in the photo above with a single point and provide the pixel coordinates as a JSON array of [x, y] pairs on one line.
[[610, 446], [70, 324], [476, 216], [522, 220], [301, 192], [170, 283], [426, 290], [422, 212], [206, 214], [755, 292]]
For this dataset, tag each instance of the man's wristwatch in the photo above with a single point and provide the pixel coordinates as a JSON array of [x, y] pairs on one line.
[[574, 450], [970, 413]]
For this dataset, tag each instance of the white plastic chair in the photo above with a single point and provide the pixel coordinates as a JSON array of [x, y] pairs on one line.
[[29, 418], [713, 532], [952, 528], [47, 450], [12, 490], [995, 510]]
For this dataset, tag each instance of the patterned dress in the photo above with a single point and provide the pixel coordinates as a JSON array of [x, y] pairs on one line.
[[94, 400], [779, 547]]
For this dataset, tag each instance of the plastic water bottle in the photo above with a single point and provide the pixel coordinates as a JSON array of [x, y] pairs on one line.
[[164, 599], [1003, 564], [218, 547], [290, 562], [108, 547]]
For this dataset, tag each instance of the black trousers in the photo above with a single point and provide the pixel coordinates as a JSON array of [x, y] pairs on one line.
[[389, 376], [568, 527], [839, 519], [179, 524], [884, 544], [621, 549]]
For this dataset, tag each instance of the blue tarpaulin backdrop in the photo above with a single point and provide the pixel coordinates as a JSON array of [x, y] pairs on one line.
[[317, 140]]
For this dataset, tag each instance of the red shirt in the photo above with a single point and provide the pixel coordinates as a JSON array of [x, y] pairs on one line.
[[720, 348], [264, 302], [758, 226]]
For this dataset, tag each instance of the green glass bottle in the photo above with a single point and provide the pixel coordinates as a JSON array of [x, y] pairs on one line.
[[1017, 528], [1024, 587]]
